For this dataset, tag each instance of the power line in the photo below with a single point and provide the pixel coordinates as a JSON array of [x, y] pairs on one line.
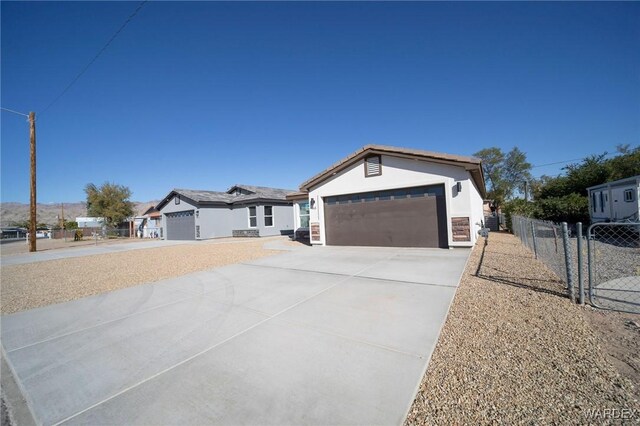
[[15, 112], [100, 52], [557, 162], [567, 161]]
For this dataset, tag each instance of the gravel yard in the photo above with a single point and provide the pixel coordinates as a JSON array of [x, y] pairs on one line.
[[44, 244], [515, 350], [38, 284]]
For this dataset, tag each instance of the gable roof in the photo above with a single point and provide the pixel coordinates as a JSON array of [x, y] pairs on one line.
[[261, 192], [228, 198], [472, 164]]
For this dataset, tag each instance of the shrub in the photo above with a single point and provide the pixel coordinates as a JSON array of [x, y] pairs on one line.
[[571, 208], [518, 207]]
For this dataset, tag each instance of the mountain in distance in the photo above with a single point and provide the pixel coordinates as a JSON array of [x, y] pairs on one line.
[[11, 213]]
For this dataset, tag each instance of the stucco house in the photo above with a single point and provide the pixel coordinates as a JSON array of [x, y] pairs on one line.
[[397, 197], [243, 210], [615, 201]]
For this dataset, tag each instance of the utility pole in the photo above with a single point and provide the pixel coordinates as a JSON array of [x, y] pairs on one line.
[[64, 234], [33, 223], [526, 190]]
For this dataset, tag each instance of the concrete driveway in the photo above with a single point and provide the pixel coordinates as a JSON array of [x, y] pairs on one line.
[[314, 336]]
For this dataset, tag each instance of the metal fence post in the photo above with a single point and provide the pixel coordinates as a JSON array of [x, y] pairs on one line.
[[567, 259], [535, 245], [580, 283], [590, 262]]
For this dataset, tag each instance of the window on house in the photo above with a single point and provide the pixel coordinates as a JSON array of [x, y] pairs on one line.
[[304, 214], [593, 201], [177, 199], [268, 215], [601, 202], [253, 219], [628, 195], [372, 166]]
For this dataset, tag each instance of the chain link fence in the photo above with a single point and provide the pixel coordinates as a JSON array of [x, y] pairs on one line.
[[545, 240], [603, 266], [614, 266]]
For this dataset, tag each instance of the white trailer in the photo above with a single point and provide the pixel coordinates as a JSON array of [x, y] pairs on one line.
[[615, 201]]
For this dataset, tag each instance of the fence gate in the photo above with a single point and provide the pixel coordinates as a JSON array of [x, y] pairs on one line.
[[614, 266]]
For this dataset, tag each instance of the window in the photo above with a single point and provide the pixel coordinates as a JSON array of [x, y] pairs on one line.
[[593, 201], [253, 220], [628, 195], [601, 202], [304, 214], [177, 199], [372, 166], [268, 215]]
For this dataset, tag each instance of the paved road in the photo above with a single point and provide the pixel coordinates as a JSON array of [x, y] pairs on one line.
[[86, 250], [314, 336]]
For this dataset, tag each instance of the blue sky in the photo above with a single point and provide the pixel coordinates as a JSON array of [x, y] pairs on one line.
[[204, 95]]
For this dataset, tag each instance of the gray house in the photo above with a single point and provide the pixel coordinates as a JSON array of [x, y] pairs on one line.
[[243, 210]]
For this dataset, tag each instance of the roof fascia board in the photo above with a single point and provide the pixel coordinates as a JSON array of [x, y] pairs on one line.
[[310, 184], [172, 194]]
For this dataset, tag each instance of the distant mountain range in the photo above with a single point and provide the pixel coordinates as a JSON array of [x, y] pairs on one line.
[[11, 213]]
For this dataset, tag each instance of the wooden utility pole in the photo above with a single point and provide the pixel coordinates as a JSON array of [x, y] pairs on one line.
[[33, 223]]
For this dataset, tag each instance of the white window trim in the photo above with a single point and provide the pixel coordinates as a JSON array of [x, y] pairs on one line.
[[300, 215], [249, 216], [630, 198], [273, 216]]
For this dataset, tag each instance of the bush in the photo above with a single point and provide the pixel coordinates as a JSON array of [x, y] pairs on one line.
[[571, 208], [518, 207]]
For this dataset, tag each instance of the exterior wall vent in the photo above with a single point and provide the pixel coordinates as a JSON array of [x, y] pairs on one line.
[[372, 166]]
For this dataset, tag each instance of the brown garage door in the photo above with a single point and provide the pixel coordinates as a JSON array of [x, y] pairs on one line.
[[408, 217]]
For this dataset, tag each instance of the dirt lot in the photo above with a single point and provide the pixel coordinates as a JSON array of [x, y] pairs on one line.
[[515, 350], [38, 284]]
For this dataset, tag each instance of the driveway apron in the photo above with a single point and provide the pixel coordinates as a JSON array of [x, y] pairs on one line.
[[322, 335]]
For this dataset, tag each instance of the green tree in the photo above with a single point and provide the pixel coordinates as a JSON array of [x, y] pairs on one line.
[[70, 224], [504, 174], [626, 164], [564, 198], [109, 201]]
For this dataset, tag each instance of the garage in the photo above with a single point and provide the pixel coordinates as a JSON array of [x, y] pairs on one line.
[[406, 217], [391, 196], [181, 225]]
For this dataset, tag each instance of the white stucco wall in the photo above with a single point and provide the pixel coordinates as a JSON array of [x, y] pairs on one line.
[[400, 173]]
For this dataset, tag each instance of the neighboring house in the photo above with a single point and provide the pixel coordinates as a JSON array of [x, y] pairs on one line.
[[615, 201], [148, 225], [389, 196], [90, 222], [243, 210]]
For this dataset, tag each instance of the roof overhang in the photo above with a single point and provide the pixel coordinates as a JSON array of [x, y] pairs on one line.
[[173, 193], [297, 196], [471, 164]]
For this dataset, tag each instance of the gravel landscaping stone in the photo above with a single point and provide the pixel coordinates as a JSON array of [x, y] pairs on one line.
[[514, 349], [33, 285]]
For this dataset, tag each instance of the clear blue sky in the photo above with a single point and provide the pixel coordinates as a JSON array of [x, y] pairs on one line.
[[203, 95]]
